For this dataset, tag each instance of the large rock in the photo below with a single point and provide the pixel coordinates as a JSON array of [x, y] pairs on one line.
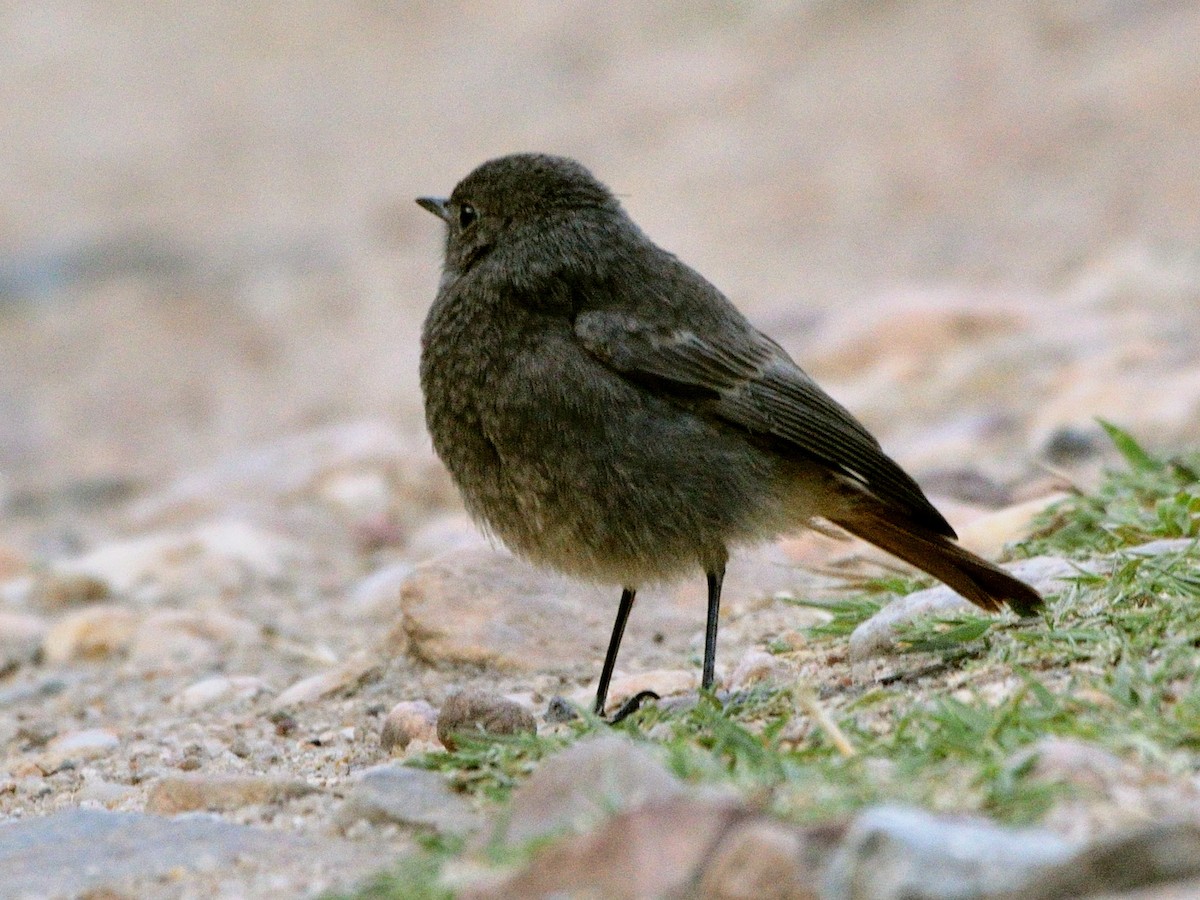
[[484, 607], [900, 853], [128, 854], [655, 850]]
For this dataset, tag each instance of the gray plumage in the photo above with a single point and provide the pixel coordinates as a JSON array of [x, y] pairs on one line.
[[607, 412]]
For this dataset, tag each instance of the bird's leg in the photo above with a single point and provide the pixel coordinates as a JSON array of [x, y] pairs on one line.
[[715, 577], [614, 644]]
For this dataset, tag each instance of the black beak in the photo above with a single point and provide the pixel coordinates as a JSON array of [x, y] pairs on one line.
[[437, 206]]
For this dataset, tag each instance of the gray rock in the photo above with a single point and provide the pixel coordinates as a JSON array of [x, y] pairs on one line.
[[84, 849], [899, 853], [582, 784], [877, 635], [406, 796]]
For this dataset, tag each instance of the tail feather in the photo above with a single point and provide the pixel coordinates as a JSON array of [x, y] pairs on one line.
[[983, 583]]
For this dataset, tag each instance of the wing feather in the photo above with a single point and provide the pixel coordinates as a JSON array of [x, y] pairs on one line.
[[748, 381]]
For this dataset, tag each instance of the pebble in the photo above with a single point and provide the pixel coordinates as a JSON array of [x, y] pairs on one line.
[[410, 797], [478, 713], [583, 783], [356, 669], [220, 688], [112, 569], [101, 792], [445, 534], [408, 721], [77, 747], [188, 793], [91, 633]]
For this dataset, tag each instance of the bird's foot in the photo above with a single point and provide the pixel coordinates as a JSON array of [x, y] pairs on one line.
[[632, 705]]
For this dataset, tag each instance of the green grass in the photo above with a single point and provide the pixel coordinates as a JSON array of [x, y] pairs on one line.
[[1114, 661]]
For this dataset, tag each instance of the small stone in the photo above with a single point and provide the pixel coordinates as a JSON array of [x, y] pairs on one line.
[[90, 633], [900, 853], [759, 860], [349, 675], [77, 747], [406, 796], [188, 793], [104, 793], [560, 710], [583, 783], [407, 721], [755, 666], [220, 688], [478, 713], [116, 568], [67, 588]]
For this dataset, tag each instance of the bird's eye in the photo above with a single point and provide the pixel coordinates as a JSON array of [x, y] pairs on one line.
[[466, 215]]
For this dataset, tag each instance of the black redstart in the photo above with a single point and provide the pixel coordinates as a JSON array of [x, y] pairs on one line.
[[607, 412]]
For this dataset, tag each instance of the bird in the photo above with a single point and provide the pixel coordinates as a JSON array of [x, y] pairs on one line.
[[608, 413]]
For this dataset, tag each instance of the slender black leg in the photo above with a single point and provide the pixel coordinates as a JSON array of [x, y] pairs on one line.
[[614, 644], [710, 629]]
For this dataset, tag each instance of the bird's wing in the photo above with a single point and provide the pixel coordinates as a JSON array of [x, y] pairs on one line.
[[748, 381]]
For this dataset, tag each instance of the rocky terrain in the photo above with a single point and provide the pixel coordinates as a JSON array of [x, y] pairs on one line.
[[227, 552]]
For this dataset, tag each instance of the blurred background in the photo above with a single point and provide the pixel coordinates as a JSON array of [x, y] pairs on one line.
[[976, 223]]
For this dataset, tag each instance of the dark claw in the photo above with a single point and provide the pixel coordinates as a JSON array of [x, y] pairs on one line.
[[632, 705]]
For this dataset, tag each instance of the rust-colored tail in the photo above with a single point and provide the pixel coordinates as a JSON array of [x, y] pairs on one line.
[[981, 582]]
